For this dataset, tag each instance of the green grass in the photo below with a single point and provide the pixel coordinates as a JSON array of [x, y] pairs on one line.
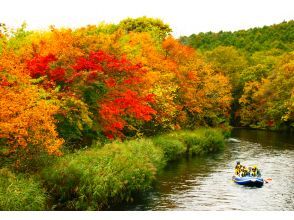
[[197, 142], [95, 178], [203, 141], [100, 177], [20, 193], [172, 148]]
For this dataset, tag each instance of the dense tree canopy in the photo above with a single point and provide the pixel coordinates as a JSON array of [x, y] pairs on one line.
[[102, 82], [258, 62], [64, 87], [278, 36]]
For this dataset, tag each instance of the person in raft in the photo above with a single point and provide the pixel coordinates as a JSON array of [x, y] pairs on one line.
[[255, 172], [242, 170], [238, 168]]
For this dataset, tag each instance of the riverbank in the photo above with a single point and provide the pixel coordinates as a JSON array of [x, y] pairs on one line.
[[280, 129], [204, 183], [102, 176]]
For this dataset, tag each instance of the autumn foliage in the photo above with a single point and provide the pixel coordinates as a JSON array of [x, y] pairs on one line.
[[27, 124], [259, 65], [75, 86], [85, 93]]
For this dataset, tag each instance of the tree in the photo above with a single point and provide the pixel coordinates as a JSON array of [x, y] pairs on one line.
[[268, 102], [204, 94], [27, 124], [227, 60], [143, 24]]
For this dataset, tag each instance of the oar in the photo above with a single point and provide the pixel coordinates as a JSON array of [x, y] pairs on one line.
[[267, 180]]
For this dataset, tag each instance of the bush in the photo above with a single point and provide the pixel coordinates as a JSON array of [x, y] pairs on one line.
[[171, 147], [203, 141], [20, 193], [95, 178]]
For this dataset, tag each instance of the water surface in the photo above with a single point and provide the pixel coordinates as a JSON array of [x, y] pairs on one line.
[[205, 183]]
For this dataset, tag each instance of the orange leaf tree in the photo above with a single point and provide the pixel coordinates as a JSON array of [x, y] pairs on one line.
[[27, 128]]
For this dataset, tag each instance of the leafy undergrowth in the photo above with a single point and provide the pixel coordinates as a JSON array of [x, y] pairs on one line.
[[97, 178], [19, 193]]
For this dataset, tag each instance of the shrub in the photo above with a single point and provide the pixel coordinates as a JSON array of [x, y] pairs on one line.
[[27, 126], [20, 193], [213, 140], [172, 147], [203, 141], [95, 178]]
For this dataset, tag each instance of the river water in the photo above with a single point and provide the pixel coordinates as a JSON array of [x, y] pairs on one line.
[[201, 184]]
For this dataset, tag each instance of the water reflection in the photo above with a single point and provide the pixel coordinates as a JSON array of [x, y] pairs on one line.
[[205, 183]]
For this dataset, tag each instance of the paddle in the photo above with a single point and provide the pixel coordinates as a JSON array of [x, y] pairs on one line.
[[267, 180]]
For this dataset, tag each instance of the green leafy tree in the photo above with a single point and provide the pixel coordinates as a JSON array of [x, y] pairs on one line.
[[143, 24]]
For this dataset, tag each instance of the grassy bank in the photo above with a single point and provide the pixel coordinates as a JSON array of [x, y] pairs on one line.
[[19, 192], [99, 177], [96, 178]]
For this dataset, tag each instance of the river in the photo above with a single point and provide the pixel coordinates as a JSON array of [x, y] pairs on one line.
[[204, 183]]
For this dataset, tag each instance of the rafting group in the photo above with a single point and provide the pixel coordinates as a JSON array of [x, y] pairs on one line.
[[248, 176], [242, 171]]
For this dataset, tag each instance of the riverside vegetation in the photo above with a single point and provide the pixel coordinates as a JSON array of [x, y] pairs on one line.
[[260, 65], [90, 116], [96, 178]]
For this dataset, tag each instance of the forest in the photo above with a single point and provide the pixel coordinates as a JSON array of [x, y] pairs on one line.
[[77, 105], [259, 64]]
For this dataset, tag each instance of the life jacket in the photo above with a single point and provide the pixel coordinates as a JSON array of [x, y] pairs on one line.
[[244, 172], [237, 171], [253, 173]]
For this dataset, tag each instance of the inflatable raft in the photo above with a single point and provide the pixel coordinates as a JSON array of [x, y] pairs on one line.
[[248, 181]]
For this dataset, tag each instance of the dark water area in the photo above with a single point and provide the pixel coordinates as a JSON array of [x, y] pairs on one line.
[[204, 183]]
